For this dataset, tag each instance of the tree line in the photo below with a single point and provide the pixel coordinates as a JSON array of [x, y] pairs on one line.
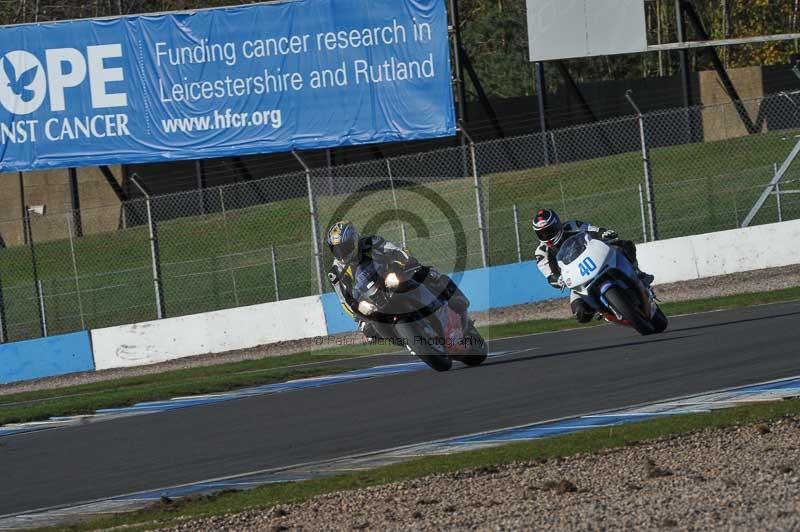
[[494, 34]]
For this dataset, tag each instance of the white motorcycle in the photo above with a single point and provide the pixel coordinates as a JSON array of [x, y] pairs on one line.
[[605, 279]]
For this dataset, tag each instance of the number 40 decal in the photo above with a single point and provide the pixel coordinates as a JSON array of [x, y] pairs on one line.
[[587, 266]]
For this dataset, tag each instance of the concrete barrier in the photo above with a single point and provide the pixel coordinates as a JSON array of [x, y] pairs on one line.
[[722, 253], [212, 332], [46, 357]]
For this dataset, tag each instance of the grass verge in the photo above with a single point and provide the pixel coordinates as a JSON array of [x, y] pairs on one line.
[[88, 398], [560, 446]]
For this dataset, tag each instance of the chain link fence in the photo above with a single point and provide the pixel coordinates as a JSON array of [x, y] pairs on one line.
[[459, 208]]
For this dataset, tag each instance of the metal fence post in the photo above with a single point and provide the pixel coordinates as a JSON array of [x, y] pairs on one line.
[[555, 148], [42, 310], [312, 207], [75, 272], [644, 218], [154, 252], [516, 233], [648, 174], [275, 273], [778, 195], [394, 198], [3, 322], [478, 199], [779, 175], [228, 243], [35, 269]]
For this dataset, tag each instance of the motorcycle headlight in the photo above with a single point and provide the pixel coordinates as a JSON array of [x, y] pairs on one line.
[[366, 308], [392, 281]]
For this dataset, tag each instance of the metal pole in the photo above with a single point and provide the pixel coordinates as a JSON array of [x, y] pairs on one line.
[[778, 199], [516, 233], [684, 68], [35, 270], [201, 184], [3, 324], [228, 244], [769, 188], [329, 166], [648, 174], [75, 272], [454, 34], [478, 200], [42, 311], [641, 208], [541, 98], [23, 206], [154, 253], [394, 198], [275, 273], [682, 55], [312, 207], [455, 31], [76, 202]]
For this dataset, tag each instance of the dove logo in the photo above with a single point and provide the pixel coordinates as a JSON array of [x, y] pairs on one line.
[[25, 81], [23, 84]]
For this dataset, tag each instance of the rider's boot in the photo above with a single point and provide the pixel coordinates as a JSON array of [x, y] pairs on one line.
[[646, 278]]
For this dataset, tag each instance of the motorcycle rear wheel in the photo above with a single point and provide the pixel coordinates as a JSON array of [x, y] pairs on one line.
[[621, 302]]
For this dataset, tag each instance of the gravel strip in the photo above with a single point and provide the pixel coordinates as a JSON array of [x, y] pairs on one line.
[[741, 478], [755, 281]]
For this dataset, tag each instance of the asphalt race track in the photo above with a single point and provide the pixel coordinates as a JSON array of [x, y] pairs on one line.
[[545, 377]]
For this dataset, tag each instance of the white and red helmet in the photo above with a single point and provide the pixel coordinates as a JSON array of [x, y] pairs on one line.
[[548, 228]]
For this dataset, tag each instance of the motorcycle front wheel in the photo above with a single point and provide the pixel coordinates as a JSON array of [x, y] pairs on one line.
[[660, 321], [620, 301], [419, 343], [479, 352]]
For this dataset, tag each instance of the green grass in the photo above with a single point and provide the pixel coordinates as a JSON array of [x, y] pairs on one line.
[[221, 261], [545, 449], [87, 398]]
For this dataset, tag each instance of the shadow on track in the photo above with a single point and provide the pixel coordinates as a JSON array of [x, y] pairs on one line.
[[586, 350], [731, 322]]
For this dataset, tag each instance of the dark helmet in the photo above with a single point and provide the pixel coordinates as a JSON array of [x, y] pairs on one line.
[[343, 240], [548, 227]]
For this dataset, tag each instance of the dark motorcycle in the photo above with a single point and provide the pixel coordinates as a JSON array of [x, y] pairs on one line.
[[406, 312]]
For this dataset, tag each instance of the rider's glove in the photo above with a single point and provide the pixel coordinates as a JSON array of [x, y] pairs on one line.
[[609, 235], [562, 283]]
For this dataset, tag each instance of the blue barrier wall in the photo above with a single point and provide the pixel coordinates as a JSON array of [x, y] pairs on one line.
[[486, 288], [46, 357]]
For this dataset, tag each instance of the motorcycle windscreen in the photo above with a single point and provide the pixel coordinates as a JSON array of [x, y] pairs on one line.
[[571, 249]]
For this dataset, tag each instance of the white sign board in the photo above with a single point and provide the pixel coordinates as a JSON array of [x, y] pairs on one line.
[[563, 29]]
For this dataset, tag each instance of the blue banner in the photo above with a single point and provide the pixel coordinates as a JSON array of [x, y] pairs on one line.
[[302, 74]]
